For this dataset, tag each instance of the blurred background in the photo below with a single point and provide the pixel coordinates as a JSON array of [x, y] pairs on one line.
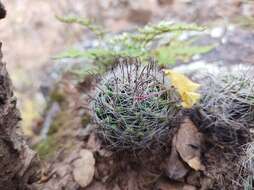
[[32, 35]]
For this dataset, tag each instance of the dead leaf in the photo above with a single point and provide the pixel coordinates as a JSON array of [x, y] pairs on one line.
[[93, 143], [188, 144], [83, 171], [195, 163], [174, 167]]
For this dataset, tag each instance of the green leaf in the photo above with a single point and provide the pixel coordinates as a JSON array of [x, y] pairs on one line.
[[179, 50], [141, 43], [90, 54], [150, 32]]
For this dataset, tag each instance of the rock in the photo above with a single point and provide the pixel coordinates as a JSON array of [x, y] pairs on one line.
[[248, 9], [84, 168], [83, 133], [165, 2], [93, 143], [218, 32], [139, 16], [188, 144]]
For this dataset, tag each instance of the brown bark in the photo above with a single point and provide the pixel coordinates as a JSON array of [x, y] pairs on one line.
[[2, 11], [19, 165]]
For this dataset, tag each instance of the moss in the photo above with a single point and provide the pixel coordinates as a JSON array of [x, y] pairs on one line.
[[58, 135], [57, 96], [62, 120], [46, 148], [244, 21], [86, 119], [59, 121]]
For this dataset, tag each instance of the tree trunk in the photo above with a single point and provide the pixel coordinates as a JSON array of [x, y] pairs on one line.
[[2, 11], [19, 165]]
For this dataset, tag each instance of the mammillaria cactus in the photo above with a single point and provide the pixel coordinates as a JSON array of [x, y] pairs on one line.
[[227, 108], [135, 106]]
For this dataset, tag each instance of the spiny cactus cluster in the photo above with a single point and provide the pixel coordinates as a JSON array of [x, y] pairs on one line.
[[135, 107], [227, 108]]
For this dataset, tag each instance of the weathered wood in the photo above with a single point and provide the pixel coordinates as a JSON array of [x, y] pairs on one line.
[[2, 11], [19, 165]]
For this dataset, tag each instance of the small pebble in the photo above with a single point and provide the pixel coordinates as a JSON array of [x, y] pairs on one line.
[[217, 32]]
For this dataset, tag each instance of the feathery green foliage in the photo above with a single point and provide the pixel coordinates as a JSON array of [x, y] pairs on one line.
[[143, 43], [83, 22], [178, 50]]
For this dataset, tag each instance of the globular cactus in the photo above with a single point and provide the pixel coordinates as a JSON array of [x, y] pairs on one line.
[[226, 111], [136, 107]]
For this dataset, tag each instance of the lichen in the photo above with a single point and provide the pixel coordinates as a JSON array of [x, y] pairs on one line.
[[61, 130], [57, 95], [86, 119]]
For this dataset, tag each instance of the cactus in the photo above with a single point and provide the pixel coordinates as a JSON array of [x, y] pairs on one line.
[[135, 107], [227, 108]]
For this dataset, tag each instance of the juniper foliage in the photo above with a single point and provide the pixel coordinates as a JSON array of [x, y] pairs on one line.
[[158, 40]]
